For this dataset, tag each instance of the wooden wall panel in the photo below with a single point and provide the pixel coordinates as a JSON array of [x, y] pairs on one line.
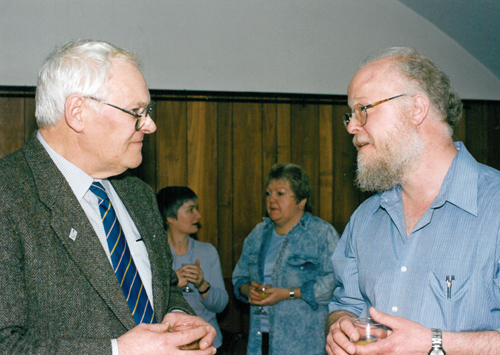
[[482, 119], [247, 171], [325, 205], [492, 117], [476, 127], [225, 199], [305, 150], [12, 124], [202, 164], [29, 117], [269, 143], [283, 133], [171, 144]]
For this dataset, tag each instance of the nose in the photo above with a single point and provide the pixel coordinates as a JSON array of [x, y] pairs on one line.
[[197, 214], [353, 127], [149, 126]]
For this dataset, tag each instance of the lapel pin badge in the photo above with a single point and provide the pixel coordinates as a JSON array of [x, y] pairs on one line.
[[72, 234]]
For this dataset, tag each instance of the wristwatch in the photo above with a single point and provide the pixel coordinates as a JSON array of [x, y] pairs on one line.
[[292, 293], [437, 343]]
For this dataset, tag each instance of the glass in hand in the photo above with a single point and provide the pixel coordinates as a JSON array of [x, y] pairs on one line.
[[260, 289], [369, 330], [186, 289]]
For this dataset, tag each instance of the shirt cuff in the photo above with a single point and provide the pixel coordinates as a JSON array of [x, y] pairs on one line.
[[114, 347], [178, 310]]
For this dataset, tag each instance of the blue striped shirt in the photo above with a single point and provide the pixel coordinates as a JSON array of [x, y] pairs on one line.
[[377, 265]]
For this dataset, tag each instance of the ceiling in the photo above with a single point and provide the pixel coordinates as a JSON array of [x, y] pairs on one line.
[[474, 24]]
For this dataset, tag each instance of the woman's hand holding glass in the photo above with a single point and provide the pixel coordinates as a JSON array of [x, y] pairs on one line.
[[190, 273], [274, 294], [193, 273]]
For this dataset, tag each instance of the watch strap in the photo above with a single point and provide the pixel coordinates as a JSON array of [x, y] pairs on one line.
[[437, 342]]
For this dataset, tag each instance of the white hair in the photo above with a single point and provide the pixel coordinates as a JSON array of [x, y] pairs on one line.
[[78, 67]]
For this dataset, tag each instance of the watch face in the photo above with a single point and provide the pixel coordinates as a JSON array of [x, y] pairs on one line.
[[437, 352]]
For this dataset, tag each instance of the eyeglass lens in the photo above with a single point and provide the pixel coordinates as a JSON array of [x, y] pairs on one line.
[[148, 112], [359, 114]]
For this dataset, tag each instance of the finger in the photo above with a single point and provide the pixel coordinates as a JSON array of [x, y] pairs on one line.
[[207, 340], [332, 348], [197, 262], [342, 343], [383, 318], [187, 336], [254, 285]]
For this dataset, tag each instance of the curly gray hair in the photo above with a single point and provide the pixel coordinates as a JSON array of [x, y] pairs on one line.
[[425, 76]]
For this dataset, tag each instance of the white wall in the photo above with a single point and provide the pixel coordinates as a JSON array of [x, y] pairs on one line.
[[299, 46]]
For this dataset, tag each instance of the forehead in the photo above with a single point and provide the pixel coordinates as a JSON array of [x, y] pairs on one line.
[[188, 204], [373, 78], [127, 83], [279, 184]]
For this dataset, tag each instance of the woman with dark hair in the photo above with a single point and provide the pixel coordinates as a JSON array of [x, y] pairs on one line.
[[197, 263], [290, 252]]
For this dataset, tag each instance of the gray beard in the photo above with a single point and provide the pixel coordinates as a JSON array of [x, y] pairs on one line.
[[394, 159]]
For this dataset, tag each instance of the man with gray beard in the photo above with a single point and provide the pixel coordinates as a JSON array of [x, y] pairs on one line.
[[421, 256]]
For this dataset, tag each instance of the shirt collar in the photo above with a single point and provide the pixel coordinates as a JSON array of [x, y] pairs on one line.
[[78, 180], [303, 222], [459, 186]]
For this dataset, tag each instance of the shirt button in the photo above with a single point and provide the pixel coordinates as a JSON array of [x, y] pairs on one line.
[[259, 333], [394, 309], [403, 269]]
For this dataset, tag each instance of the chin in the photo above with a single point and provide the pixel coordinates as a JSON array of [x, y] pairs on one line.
[[134, 164]]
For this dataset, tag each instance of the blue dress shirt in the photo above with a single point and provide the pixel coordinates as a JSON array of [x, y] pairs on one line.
[[376, 264]]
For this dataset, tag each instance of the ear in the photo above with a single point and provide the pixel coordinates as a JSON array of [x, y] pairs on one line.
[[171, 220], [73, 112], [302, 204], [420, 109]]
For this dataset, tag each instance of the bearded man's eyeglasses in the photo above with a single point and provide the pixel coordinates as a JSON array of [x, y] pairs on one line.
[[360, 114]]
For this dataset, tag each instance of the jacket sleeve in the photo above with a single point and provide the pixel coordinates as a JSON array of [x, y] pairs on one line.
[[320, 289], [241, 273]]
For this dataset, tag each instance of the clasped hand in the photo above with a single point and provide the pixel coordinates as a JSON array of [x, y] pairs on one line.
[[190, 273], [276, 294], [161, 339], [405, 338]]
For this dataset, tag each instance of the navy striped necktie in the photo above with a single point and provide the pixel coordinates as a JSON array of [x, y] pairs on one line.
[[124, 266]]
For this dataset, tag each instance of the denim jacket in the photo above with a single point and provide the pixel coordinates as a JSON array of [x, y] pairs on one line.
[[296, 326]]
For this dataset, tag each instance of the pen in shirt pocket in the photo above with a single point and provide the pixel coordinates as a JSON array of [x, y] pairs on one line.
[[449, 282]]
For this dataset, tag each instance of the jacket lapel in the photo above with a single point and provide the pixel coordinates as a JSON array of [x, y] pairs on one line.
[[68, 217]]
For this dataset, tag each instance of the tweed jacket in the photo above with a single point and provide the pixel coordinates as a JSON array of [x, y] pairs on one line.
[[59, 295]]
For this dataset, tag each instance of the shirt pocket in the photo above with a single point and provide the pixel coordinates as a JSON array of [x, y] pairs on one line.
[[302, 268], [449, 309], [253, 268]]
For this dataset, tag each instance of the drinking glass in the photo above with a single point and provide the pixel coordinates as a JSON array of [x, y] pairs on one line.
[[369, 330], [263, 295], [187, 289], [195, 345]]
